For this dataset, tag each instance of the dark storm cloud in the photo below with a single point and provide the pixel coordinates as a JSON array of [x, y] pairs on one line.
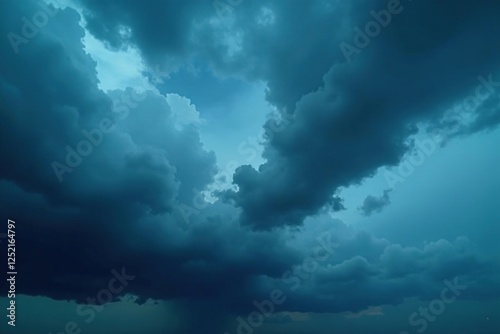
[[140, 159], [373, 204], [118, 207], [124, 23], [290, 57], [361, 118], [143, 166], [365, 271], [353, 113]]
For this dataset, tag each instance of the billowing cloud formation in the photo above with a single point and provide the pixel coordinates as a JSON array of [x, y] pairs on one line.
[[373, 204], [377, 92], [362, 116], [353, 110], [97, 178], [83, 161]]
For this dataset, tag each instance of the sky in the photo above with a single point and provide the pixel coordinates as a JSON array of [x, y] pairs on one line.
[[237, 166]]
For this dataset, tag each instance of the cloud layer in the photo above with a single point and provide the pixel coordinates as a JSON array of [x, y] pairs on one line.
[[103, 180]]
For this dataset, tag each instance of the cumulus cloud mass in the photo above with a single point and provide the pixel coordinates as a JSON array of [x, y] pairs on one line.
[[198, 166]]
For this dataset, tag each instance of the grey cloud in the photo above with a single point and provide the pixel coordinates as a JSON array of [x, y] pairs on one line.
[[118, 208], [373, 204], [349, 119], [362, 117]]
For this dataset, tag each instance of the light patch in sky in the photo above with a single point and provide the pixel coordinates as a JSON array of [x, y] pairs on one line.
[[122, 69], [117, 69], [184, 111], [240, 142], [267, 17]]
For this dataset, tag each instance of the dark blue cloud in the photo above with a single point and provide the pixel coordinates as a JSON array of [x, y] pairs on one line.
[[124, 171]]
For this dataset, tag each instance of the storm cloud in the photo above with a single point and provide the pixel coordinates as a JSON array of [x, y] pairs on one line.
[[100, 180], [373, 204], [353, 113]]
